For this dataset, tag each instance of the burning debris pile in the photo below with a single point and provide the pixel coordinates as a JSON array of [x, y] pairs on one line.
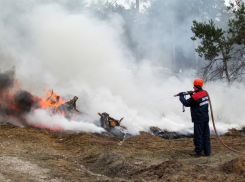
[[68, 109], [16, 104]]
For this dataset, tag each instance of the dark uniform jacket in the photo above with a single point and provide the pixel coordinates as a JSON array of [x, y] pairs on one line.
[[199, 105]]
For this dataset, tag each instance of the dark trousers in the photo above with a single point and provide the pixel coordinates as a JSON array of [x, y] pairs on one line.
[[202, 137]]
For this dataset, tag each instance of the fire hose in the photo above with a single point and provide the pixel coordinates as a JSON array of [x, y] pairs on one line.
[[190, 92]]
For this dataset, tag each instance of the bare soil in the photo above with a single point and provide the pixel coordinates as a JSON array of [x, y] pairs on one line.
[[32, 154]]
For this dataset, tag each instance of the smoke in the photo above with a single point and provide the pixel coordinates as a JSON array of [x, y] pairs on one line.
[[14, 103], [42, 117], [80, 54], [24, 101], [6, 81]]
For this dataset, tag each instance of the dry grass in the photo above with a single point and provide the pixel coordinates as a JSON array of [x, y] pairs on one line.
[[73, 156]]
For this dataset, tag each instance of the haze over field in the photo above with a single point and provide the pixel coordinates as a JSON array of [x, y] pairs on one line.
[[80, 54]]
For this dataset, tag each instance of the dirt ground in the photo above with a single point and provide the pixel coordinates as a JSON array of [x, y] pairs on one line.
[[32, 154]]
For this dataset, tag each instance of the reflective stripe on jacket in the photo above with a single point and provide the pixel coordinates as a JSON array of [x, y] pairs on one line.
[[199, 105]]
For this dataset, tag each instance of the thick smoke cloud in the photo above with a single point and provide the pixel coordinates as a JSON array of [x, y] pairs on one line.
[[24, 101], [58, 121], [6, 80], [79, 54], [14, 102]]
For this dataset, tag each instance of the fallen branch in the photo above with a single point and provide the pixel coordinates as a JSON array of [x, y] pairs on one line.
[[50, 95]]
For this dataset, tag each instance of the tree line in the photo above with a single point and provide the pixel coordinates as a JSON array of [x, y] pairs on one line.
[[162, 32]]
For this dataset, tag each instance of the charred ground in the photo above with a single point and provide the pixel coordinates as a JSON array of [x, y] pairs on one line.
[[31, 154]]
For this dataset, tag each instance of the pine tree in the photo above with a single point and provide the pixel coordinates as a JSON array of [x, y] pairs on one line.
[[224, 50], [214, 48], [237, 24]]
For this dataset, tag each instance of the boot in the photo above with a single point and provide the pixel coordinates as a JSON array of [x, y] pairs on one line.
[[196, 154]]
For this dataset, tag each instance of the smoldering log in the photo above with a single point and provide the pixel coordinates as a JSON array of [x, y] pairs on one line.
[[68, 108], [108, 122], [168, 134]]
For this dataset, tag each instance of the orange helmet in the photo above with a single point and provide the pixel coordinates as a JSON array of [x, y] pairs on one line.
[[198, 82]]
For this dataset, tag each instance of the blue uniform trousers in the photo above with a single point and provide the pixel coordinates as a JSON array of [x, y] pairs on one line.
[[202, 137]]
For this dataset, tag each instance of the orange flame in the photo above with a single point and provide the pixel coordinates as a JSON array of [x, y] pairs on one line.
[[73, 116], [50, 100], [53, 100]]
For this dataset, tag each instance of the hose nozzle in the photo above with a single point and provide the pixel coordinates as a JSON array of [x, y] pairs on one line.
[[185, 93]]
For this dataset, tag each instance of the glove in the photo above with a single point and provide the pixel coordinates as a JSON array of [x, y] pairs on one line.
[[181, 94], [190, 93]]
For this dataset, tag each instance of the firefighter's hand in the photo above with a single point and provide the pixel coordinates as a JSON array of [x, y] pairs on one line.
[[181, 94], [190, 92]]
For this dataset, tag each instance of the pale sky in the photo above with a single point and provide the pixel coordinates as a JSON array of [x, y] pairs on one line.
[[127, 3]]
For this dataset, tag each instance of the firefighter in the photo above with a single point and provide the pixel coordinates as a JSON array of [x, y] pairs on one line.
[[198, 103]]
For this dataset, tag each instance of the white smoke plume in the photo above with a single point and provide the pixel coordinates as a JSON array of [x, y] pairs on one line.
[[40, 116], [78, 54]]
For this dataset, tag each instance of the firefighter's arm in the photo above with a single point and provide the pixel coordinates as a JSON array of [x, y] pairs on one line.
[[187, 103]]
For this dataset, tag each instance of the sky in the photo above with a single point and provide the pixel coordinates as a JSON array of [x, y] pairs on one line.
[[78, 54], [127, 2]]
